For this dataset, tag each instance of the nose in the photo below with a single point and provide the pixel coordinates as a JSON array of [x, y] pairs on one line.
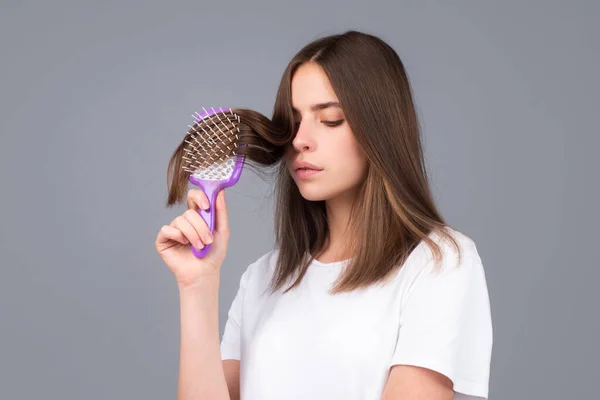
[[303, 141]]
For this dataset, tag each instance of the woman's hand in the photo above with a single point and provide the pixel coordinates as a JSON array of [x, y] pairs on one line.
[[173, 241]]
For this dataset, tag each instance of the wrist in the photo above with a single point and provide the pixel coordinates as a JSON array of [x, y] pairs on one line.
[[202, 284]]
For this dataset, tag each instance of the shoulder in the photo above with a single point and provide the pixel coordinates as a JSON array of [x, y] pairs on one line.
[[261, 268], [459, 270], [461, 258], [445, 321], [456, 250], [465, 244]]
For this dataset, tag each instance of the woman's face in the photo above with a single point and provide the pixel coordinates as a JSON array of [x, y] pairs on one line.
[[323, 139]]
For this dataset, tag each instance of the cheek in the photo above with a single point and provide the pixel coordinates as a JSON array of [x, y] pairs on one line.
[[358, 165], [350, 158]]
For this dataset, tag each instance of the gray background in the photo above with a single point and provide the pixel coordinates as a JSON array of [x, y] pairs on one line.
[[95, 96]]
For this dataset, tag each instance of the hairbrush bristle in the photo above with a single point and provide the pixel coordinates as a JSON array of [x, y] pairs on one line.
[[211, 143]]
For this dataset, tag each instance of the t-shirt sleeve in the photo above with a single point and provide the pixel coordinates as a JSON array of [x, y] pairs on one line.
[[231, 340], [445, 323]]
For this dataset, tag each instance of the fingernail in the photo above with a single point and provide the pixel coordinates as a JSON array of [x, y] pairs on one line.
[[205, 205], [199, 245], [208, 238]]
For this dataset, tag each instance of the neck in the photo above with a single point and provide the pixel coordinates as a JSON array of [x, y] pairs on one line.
[[338, 214]]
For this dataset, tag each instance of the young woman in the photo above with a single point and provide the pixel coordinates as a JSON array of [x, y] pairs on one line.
[[368, 293]]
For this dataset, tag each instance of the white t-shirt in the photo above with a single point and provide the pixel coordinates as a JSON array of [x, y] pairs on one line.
[[308, 344]]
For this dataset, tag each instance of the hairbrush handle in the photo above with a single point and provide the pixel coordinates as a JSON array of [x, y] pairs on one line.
[[211, 189]]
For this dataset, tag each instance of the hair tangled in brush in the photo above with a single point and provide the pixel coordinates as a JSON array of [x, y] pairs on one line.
[[258, 140]]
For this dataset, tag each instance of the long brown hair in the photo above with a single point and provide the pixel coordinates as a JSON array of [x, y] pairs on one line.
[[395, 211]]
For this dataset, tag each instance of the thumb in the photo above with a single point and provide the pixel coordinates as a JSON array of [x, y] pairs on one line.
[[221, 233], [221, 214]]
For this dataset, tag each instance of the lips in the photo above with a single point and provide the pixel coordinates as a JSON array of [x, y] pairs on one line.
[[306, 173], [303, 165], [305, 170]]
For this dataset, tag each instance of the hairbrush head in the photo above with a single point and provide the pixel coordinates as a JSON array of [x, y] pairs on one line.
[[211, 159], [211, 144]]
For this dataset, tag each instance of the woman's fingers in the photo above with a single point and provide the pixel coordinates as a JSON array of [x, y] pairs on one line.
[[193, 226], [168, 232], [188, 230], [199, 225], [197, 199]]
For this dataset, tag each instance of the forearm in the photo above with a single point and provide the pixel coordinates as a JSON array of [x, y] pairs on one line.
[[201, 373]]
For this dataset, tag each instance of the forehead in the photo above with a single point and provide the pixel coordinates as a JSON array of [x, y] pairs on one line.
[[310, 85]]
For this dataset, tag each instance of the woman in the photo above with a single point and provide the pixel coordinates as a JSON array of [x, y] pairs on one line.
[[368, 293]]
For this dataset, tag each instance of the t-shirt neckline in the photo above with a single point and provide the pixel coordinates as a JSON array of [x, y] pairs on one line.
[[329, 264]]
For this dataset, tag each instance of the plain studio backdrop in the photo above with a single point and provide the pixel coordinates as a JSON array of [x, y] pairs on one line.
[[95, 96]]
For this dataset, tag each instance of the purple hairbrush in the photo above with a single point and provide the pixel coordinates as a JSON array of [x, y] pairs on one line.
[[211, 159]]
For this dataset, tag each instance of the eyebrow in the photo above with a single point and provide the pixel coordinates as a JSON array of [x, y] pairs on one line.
[[322, 106]]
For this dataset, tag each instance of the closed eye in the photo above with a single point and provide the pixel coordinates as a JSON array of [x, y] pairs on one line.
[[327, 123], [333, 123]]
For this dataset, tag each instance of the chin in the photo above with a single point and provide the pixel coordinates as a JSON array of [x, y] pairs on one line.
[[314, 192], [312, 196]]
